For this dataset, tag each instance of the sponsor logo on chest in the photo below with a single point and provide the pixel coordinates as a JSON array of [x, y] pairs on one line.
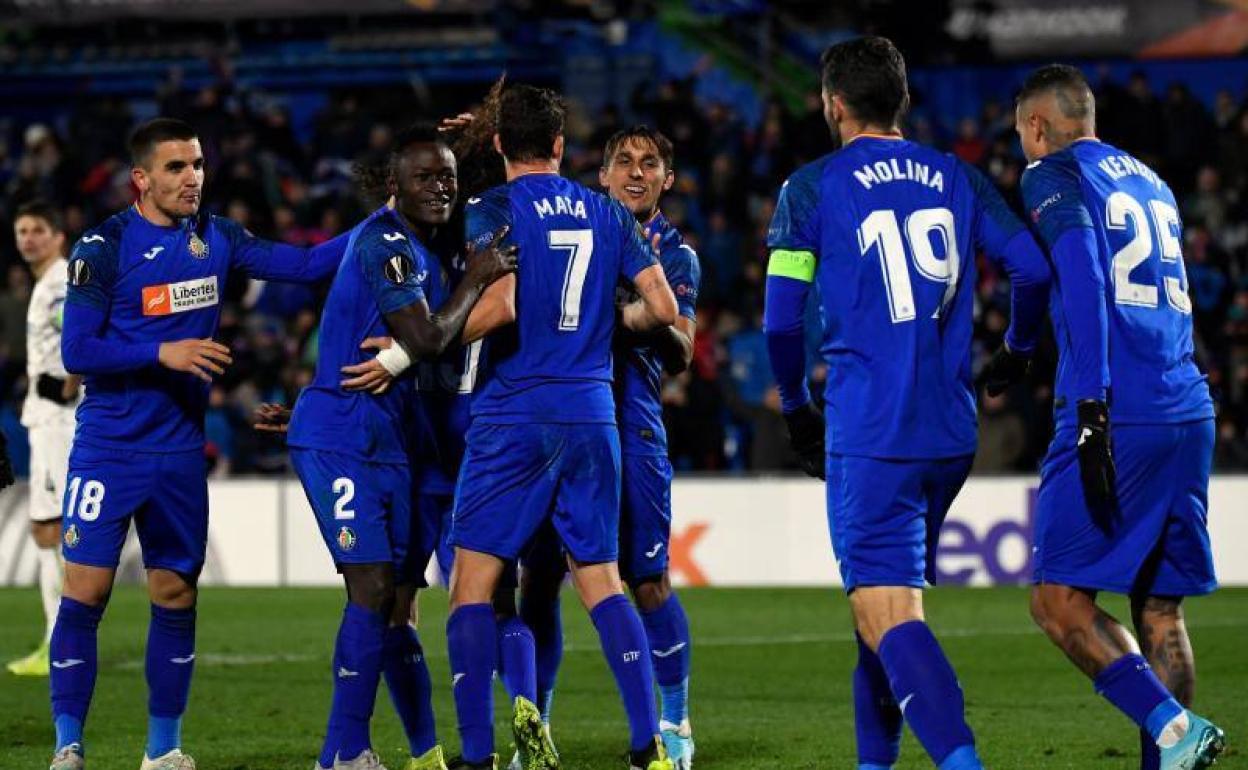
[[169, 298]]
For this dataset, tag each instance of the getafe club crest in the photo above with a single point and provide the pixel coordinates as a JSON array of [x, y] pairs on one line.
[[346, 538], [71, 536], [197, 246]]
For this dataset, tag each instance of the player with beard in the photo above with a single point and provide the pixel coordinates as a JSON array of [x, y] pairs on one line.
[[142, 305]]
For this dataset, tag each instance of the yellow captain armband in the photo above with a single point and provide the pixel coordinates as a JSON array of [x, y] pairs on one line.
[[798, 265]]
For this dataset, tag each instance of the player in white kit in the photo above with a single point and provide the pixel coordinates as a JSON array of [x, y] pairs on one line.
[[48, 412]]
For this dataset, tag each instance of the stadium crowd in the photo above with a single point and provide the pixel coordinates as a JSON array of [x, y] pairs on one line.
[[723, 414]]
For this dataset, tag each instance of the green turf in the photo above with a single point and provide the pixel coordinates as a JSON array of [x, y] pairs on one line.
[[770, 683]]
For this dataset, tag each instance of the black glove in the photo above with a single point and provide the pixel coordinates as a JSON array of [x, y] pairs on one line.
[[806, 437], [1005, 368], [1096, 461], [6, 468], [51, 388]]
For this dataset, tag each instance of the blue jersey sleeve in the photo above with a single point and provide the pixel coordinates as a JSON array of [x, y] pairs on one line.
[[1009, 244], [636, 253], [88, 301], [684, 274], [1052, 194], [485, 214], [393, 275], [795, 222], [278, 261]]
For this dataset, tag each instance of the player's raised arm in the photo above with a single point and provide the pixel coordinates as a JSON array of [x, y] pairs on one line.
[[425, 334], [793, 242], [1009, 244], [271, 261], [657, 304]]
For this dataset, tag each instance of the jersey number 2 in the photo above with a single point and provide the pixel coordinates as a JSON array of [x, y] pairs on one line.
[[880, 228], [580, 247]]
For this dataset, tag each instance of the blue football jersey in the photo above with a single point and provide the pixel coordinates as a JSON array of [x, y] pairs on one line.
[[150, 284], [441, 409], [638, 368], [1151, 375], [382, 272], [554, 363], [893, 227]]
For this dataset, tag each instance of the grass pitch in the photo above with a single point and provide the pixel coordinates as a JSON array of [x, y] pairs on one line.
[[770, 685]]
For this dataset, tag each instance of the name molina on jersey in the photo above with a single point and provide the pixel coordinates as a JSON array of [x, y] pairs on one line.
[[180, 297], [892, 170]]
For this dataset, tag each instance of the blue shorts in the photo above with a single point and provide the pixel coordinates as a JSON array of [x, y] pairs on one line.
[[443, 507], [885, 516], [645, 516], [1159, 544], [364, 510], [515, 477], [166, 494]]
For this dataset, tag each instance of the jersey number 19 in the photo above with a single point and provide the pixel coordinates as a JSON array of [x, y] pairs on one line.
[[881, 229]]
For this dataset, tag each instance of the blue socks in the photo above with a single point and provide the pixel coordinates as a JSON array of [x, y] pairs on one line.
[[623, 640], [74, 665], [516, 653], [357, 673], [877, 720], [170, 661], [411, 691], [545, 621], [472, 641], [667, 629], [928, 694], [1130, 684]]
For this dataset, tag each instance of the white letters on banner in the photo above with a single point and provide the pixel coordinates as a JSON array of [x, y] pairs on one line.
[[725, 531]]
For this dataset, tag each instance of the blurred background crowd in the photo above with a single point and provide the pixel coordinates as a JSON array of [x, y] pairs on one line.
[[280, 155]]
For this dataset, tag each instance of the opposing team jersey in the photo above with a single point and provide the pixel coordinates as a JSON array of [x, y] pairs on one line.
[[638, 368], [1151, 375], [554, 363], [381, 272], [149, 284], [44, 316], [893, 227], [443, 396]]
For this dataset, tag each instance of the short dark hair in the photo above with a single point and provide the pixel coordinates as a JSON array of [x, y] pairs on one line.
[[421, 132], [41, 209], [145, 138], [529, 121], [641, 133], [1074, 95], [869, 73]]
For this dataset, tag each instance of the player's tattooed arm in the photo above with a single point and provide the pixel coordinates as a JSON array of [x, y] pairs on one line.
[[657, 306], [426, 334]]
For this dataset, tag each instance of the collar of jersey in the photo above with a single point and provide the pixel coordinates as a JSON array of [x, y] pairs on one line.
[[886, 137], [181, 224]]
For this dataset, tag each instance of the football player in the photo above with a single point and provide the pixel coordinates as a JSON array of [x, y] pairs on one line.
[[543, 445], [143, 302], [889, 229], [1124, 487]]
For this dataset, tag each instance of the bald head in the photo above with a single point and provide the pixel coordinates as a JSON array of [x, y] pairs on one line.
[[1055, 107]]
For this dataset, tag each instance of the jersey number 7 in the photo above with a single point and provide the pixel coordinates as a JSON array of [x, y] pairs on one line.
[[580, 247]]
